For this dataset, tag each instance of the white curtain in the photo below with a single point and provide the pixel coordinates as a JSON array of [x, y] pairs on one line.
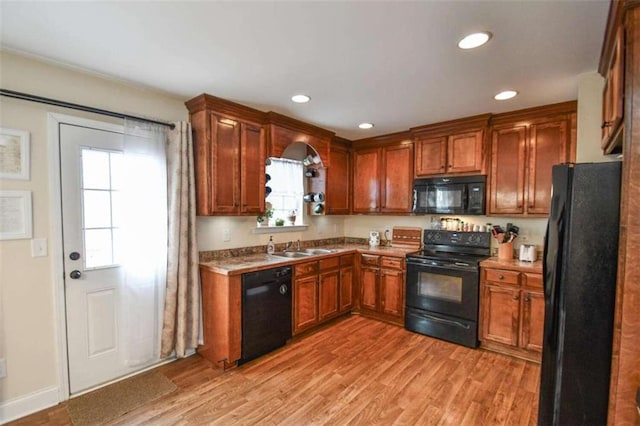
[[144, 240]]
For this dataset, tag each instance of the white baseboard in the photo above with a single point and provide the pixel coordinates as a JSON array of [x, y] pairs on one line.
[[28, 404]]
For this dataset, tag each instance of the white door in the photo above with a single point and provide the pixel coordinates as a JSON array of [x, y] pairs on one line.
[[91, 178]]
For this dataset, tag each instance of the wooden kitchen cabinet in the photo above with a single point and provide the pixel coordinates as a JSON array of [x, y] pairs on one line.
[[525, 145], [221, 318], [512, 312], [383, 175], [613, 97], [346, 283], [230, 153], [382, 284], [338, 187], [284, 131], [454, 147], [305, 296], [322, 291]]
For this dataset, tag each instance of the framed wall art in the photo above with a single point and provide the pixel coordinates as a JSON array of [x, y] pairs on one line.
[[15, 215], [14, 154]]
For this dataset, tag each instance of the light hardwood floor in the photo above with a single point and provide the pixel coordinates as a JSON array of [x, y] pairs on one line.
[[356, 371]]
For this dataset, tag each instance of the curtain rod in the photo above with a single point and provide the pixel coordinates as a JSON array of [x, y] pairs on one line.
[[42, 100]]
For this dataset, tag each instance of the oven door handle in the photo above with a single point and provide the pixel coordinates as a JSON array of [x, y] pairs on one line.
[[441, 320]]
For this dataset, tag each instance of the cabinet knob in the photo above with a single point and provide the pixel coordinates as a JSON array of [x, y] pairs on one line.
[[501, 277], [531, 206], [442, 168], [527, 299], [605, 124], [450, 165], [516, 297]]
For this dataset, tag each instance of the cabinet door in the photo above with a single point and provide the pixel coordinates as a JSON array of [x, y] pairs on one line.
[[366, 186], [392, 292], [369, 288], [252, 179], [507, 170], [346, 288], [338, 194], [431, 156], [225, 139], [532, 321], [397, 179], [328, 294], [548, 146], [305, 303], [500, 314], [612, 100], [464, 152]]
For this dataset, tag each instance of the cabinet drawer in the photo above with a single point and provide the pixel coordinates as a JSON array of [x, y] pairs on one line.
[[369, 259], [502, 276], [346, 260], [392, 262], [330, 263], [532, 280], [306, 269]]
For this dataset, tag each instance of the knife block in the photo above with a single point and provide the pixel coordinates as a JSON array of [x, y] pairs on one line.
[[505, 251]]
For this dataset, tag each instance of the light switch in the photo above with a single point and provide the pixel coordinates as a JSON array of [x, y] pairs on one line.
[[226, 235], [39, 247]]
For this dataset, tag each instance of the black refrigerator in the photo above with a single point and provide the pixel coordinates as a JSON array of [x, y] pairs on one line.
[[579, 267]]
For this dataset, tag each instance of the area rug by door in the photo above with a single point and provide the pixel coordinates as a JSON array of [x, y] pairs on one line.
[[112, 401]]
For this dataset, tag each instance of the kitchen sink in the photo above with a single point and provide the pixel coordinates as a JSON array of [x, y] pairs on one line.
[[318, 251], [292, 254]]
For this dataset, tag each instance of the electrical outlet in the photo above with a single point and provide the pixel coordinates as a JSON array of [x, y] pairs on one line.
[[387, 231], [226, 235], [3, 368]]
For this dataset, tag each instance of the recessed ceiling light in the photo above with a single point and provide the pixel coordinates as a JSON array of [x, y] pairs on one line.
[[474, 40], [507, 94], [300, 99], [365, 125]]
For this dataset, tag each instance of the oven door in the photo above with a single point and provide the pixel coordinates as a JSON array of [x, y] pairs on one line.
[[448, 288]]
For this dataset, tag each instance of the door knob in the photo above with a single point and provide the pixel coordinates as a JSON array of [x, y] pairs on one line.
[[75, 274], [74, 255]]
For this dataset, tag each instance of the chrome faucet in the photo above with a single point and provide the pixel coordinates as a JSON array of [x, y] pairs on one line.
[[288, 245], [298, 245]]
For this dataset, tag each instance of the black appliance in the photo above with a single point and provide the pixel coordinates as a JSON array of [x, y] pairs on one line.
[[580, 267], [266, 311], [449, 195], [442, 286]]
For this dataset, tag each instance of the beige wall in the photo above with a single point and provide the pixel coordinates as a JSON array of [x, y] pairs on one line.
[[27, 290], [27, 294]]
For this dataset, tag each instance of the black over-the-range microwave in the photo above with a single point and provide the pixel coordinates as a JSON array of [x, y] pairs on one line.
[[449, 195]]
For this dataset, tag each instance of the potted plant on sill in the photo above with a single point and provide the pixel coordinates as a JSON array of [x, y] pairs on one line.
[[263, 219]]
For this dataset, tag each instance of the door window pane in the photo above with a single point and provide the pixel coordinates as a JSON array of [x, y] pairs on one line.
[[98, 248], [97, 208], [95, 169]]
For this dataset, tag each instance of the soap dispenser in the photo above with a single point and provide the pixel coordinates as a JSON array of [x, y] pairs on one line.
[[270, 246]]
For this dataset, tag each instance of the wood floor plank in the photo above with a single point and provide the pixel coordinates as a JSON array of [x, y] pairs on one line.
[[357, 371]]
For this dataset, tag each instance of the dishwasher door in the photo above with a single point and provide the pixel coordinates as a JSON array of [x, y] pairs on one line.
[[266, 311]]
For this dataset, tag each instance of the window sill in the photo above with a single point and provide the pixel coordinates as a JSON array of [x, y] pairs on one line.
[[278, 229]]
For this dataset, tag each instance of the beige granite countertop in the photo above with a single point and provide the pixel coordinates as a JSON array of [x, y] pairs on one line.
[[513, 264], [255, 262]]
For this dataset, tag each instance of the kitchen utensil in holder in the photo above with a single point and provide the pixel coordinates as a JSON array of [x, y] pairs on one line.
[[505, 251]]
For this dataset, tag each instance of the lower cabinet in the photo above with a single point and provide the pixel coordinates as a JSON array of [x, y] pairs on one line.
[[381, 282], [512, 312], [322, 290]]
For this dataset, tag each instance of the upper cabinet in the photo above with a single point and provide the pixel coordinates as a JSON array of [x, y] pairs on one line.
[[383, 174], [453, 147], [338, 186], [230, 152], [613, 95], [525, 145]]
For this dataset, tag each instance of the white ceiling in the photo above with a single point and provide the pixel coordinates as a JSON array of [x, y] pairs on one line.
[[392, 63]]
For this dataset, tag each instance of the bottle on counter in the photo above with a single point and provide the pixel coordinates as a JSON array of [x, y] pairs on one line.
[[271, 248]]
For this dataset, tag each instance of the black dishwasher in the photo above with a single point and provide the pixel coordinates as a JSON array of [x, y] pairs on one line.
[[266, 311]]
